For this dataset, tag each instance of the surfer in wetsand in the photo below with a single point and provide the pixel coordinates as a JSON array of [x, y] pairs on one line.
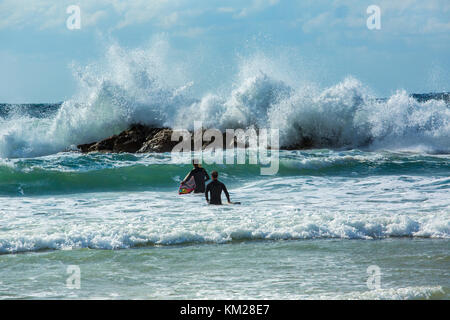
[[200, 177], [215, 187]]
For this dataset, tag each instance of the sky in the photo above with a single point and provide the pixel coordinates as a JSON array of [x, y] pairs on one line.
[[314, 40]]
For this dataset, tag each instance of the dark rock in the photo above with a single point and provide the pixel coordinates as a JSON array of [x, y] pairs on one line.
[[304, 143], [141, 139], [85, 147], [159, 142], [130, 140]]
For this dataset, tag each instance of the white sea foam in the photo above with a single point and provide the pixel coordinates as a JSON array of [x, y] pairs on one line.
[[117, 238], [318, 209]]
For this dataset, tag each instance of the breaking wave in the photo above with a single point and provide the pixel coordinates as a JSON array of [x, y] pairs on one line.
[[138, 85], [110, 237]]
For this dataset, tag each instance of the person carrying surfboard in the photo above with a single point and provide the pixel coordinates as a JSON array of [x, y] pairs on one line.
[[215, 187], [200, 177]]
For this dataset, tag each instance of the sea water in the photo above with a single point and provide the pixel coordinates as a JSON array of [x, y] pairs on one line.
[[311, 231], [363, 214]]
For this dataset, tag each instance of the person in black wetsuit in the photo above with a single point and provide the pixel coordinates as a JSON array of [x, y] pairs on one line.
[[216, 187], [200, 176]]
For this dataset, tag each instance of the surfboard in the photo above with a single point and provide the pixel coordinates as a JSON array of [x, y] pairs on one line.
[[187, 187]]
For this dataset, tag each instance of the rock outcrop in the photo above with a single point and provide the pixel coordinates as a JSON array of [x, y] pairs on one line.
[[141, 139], [158, 142], [138, 139], [130, 140]]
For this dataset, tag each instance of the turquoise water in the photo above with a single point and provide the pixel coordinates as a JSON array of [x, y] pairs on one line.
[[310, 231], [298, 269]]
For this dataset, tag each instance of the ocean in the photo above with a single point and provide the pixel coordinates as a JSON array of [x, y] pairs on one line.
[[362, 214]]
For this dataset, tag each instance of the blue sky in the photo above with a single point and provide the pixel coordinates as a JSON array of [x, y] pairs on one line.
[[323, 40]]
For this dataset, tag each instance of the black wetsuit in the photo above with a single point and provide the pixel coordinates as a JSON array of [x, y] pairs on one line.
[[216, 187], [200, 176]]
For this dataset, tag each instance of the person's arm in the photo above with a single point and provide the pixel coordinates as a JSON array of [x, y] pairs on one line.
[[187, 177], [226, 193], [206, 175], [206, 193]]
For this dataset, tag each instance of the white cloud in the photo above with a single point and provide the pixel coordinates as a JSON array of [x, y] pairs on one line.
[[191, 32], [316, 22], [436, 26], [257, 5], [398, 17], [407, 17], [47, 14], [141, 11], [169, 20], [44, 14], [226, 10]]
